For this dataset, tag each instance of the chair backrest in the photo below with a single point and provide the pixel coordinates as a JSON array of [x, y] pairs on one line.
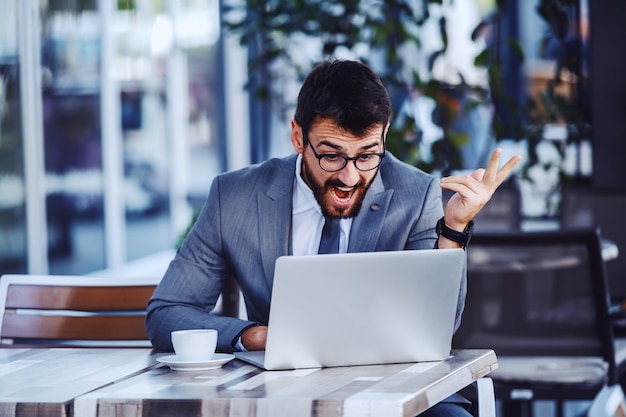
[[74, 310], [537, 294], [584, 207]]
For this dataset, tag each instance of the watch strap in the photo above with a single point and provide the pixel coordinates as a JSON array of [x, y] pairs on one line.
[[462, 238]]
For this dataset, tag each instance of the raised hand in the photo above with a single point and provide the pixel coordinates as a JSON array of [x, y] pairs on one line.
[[473, 191]]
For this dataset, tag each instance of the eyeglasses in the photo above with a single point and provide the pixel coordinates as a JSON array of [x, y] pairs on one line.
[[332, 162]]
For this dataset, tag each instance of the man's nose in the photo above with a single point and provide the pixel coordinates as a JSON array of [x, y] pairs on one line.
[[349, 175]]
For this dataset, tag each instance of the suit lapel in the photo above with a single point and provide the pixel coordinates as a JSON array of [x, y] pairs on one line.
[[274, 212]]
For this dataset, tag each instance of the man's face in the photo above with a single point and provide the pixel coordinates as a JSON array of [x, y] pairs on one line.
[[340, 193]]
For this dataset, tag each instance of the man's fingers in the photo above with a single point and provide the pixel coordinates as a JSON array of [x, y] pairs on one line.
[[506, 169], [494, 162], [478, 174], [490, 177]]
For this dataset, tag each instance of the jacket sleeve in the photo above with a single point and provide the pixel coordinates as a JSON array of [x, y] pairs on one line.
[[187, 295]]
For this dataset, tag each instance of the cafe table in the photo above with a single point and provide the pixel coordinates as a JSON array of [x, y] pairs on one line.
[[239, 389], [43, 382]]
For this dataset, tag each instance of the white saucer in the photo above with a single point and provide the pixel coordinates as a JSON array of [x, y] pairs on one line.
[[176, 364]]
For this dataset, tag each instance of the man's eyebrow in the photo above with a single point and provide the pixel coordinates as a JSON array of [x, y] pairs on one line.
[[336, 147]]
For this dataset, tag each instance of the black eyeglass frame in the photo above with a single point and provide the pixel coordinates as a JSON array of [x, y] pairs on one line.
[[319, 157]]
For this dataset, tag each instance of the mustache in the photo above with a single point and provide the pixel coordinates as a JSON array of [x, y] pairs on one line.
[[337, 183]]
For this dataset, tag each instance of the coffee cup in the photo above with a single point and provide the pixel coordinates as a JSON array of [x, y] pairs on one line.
[[194, 344]]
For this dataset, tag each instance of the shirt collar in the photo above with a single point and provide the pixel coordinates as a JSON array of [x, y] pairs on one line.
[[303, 198]]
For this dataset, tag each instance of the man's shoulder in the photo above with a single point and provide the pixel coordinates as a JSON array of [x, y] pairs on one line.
[[269, 167], [276, 173]]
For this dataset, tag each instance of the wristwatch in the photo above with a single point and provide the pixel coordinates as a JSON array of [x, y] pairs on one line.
[[462, 238]]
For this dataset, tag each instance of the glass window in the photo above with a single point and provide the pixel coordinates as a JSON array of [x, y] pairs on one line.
[[12, 191], [72, 137], [168, 73], [141, 35]]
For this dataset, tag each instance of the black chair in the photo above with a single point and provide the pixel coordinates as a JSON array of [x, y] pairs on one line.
[[585, 207], [540, 300]]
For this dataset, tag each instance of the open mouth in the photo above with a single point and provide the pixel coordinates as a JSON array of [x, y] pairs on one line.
[[342, 196]]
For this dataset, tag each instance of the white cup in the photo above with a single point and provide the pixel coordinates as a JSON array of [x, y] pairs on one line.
[[194, 344]]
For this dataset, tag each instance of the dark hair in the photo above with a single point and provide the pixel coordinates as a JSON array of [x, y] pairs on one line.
[[347, 92]]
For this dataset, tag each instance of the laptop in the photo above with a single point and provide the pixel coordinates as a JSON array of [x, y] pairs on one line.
[[361, 309]]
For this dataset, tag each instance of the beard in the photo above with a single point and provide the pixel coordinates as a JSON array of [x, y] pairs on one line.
[[322, 193]]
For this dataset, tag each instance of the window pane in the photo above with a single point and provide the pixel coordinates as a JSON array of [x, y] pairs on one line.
[[141, 37], [148, 39], [12, 192], [72, 138]]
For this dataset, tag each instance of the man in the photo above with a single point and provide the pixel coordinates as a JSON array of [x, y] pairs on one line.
[[340, 170]]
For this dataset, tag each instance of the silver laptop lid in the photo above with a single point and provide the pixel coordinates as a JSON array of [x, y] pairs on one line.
[[363, 308]]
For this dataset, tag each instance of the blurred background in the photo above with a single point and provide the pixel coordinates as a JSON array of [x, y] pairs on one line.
[[116, 115]]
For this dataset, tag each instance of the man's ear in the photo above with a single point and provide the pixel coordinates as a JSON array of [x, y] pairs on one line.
[[386, 129], [297, 140]]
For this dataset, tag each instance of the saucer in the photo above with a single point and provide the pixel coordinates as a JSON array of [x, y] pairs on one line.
[[176, 364]]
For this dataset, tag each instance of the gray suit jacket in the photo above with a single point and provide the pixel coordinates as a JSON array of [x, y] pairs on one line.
[[246, 224]]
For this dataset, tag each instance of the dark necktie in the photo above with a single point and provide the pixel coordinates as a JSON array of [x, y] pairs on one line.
[[330, 236]]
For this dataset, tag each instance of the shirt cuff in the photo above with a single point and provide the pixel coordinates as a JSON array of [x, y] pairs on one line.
[[239, 346]]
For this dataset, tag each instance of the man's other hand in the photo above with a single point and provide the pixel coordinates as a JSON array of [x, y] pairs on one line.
[[254, 338], [473, 191]]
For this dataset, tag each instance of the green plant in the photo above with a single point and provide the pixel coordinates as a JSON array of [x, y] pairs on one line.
[[377, 33], [563, 99], [560, 102], [373, 32]]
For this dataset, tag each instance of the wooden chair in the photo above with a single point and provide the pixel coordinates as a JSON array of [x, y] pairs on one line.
[[74, 310], [540, 300]]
